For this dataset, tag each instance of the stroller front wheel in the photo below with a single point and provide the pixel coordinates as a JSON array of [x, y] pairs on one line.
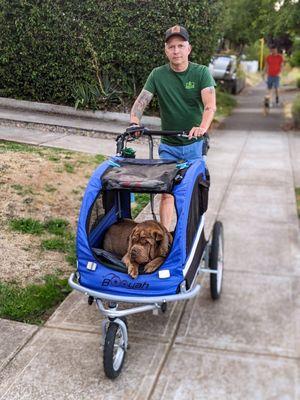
[[115, 348], [216, 260]]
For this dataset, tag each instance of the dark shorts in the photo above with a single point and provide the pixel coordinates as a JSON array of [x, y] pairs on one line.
[[273, 82], [189, 152]]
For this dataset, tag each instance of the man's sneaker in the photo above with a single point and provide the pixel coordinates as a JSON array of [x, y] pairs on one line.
[[277, 100]]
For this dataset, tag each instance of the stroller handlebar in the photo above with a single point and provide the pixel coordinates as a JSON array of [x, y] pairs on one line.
[[142, 130], [145, 131]]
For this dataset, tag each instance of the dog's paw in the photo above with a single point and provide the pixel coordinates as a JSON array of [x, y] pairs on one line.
[[148, 270], [133, 271], [153, 265]]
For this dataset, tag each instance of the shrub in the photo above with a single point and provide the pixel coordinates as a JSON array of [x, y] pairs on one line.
[[225, 103], [252, 51], [295, 58], [50, 48], [296, 111]]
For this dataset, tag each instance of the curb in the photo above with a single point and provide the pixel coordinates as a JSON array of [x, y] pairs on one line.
[[71, 111]]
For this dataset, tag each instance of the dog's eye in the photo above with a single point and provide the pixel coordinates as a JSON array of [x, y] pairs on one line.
[[150, 241]]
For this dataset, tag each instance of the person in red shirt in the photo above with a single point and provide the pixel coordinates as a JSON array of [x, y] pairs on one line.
[[273, 67]]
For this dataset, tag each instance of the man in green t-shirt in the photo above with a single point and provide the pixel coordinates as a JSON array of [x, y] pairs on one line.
[[187, 102]]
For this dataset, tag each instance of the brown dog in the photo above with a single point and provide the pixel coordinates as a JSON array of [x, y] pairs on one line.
[[146, 243], [116, 239]]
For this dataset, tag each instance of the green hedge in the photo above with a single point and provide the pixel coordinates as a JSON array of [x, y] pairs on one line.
[[296, 111], [50, 47]]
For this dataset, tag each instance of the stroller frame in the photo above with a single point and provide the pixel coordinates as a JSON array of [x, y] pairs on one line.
[[114, 327]]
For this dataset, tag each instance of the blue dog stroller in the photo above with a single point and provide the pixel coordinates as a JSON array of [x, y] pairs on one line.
[[103, 277]]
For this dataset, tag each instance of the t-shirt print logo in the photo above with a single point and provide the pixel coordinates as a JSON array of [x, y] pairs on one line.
[[190, 85]]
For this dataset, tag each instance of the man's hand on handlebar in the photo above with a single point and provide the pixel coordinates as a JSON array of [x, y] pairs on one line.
[[134, 129], [133, 126], [196, 132]]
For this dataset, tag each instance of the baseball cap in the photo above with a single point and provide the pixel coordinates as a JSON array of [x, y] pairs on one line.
[[177, 30]]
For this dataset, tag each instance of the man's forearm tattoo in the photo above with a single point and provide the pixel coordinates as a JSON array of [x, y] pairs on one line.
[[141, 103]]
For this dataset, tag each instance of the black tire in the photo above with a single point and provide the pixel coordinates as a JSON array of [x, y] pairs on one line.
[[113, 354], [234, 87], [216, 260], [164, 307]]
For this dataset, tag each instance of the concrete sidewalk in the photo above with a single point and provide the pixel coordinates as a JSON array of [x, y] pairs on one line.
[[244, 346]]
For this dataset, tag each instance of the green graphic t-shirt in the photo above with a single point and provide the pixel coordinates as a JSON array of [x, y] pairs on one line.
[[179, 97]]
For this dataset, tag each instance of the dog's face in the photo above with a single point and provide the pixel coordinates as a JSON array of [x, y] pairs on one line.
[[147, 241]]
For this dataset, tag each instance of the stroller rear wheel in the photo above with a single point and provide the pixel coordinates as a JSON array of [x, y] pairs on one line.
[[115, 348], [216, 260]]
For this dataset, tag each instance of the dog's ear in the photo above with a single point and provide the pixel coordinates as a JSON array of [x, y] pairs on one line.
[[127, 255], [166, 241], [158, 236], [133, 236], [170, 238]]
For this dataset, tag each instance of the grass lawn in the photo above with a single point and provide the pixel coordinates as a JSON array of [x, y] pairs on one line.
[[225, 104], [140, 202], [40, 198], [34, 303], [290, 76]]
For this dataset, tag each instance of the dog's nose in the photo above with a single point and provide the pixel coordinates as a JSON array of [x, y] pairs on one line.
[[134, 253]]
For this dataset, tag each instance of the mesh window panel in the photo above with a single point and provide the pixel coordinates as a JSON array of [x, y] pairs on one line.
[[198, 206], [101, 206], [190, 276]]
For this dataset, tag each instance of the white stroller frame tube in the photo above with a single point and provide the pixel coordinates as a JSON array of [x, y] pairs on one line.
[[133, 299], [114, 313]]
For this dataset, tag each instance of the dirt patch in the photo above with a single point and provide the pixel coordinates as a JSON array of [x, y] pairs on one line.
[[41, 184]]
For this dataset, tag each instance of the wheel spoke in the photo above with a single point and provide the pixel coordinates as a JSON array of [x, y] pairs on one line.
[[220, 264], [118, 349]]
